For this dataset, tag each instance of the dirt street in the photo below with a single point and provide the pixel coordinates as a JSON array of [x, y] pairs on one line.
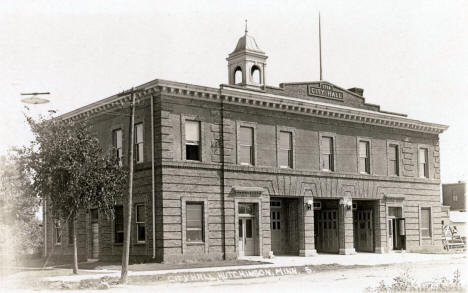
[[348, 280]]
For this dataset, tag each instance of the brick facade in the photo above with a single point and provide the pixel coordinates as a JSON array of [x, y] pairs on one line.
[[454, 196], [220, 183]]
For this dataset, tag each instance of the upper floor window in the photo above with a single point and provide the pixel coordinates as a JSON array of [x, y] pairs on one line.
[[139, 142], [117, 144], [192, 140], [140, 222], [423, 163], [326, 154], [246, 146], [454, 197], [393, 160], [285, 149], [364, 157], [194, 229]]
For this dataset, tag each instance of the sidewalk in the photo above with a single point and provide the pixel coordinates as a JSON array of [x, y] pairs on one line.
[[299, 264]]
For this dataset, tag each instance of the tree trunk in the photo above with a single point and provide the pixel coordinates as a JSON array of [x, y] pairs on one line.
[[128, 222], [75, 248]]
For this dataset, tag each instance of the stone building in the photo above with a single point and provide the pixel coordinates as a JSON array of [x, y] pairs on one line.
[[251, 169]]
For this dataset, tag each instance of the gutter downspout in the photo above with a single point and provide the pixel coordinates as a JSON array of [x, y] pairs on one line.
[[223, 219], [152, 177]]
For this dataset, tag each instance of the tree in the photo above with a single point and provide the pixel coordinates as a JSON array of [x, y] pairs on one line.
[[19, 226], [71, 171]]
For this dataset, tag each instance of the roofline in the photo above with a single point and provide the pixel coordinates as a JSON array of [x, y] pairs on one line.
[[261, 99]]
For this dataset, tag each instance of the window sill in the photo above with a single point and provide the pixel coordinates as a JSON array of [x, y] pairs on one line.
[[140, 243], [195, 243]]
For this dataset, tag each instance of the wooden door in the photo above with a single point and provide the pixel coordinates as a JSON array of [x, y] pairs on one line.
[[247, 236], [364, 231], [275, 227], [327, 224]]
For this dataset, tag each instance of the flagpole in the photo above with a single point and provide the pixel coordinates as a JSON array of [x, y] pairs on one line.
[[320, 47]]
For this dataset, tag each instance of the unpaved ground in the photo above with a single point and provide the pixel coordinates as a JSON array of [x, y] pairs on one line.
[[343, 280]]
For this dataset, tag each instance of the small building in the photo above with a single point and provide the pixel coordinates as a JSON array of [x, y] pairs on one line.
[[454, 195], [251, 169]]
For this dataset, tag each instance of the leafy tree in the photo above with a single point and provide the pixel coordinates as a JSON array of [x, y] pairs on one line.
[[20, 228], [71, 171]]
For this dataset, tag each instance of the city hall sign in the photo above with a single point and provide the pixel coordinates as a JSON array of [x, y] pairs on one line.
[[324, 90]]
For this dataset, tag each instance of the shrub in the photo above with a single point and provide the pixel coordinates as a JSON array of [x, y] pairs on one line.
[[405, 282]]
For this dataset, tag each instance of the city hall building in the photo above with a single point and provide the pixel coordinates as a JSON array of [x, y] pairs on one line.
[[250, 169]]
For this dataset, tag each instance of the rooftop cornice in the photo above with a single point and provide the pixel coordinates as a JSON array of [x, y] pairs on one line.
[[236, 96], [255, 99]]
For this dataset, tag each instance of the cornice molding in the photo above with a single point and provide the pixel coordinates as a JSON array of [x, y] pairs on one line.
[[255, 99]]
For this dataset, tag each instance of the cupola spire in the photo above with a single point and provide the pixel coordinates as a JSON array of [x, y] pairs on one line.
[[246, 64]]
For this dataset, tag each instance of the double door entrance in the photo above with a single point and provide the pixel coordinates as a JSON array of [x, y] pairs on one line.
[[363, 230], [326, 230], [283, 226]]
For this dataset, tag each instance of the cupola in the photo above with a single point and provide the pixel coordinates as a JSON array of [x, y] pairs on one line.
[[246, 64]]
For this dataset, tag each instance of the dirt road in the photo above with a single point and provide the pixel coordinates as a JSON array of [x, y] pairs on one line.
[[343, 280]]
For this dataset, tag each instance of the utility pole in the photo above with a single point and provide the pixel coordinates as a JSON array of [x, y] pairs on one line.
[[128, 223]]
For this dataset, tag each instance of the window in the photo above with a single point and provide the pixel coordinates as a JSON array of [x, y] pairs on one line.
[[246, 147], [139, 142], [246, 208], [140, 222], [119, 225], [255, 74], [70, 232], [394, 212], [327, 157], [192, 140], [194, 230], [238, 75], [454, 197], [364, 157], [426, 222], [422, 163], [58, 232], [285, 149], [393, 160], [117, 144], [94, 215]]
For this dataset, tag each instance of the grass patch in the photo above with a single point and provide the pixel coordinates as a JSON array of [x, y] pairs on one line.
[[405, 282]]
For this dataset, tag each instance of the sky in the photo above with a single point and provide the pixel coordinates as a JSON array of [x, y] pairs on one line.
[[408, 56]]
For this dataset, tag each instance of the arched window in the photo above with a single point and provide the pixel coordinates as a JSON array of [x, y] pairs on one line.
[[238, 75], [255, 74]]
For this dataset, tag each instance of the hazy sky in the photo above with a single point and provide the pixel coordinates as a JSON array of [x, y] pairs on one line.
[[409, 56]]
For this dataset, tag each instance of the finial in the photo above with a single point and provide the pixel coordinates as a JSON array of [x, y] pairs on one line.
[[246, 27]]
